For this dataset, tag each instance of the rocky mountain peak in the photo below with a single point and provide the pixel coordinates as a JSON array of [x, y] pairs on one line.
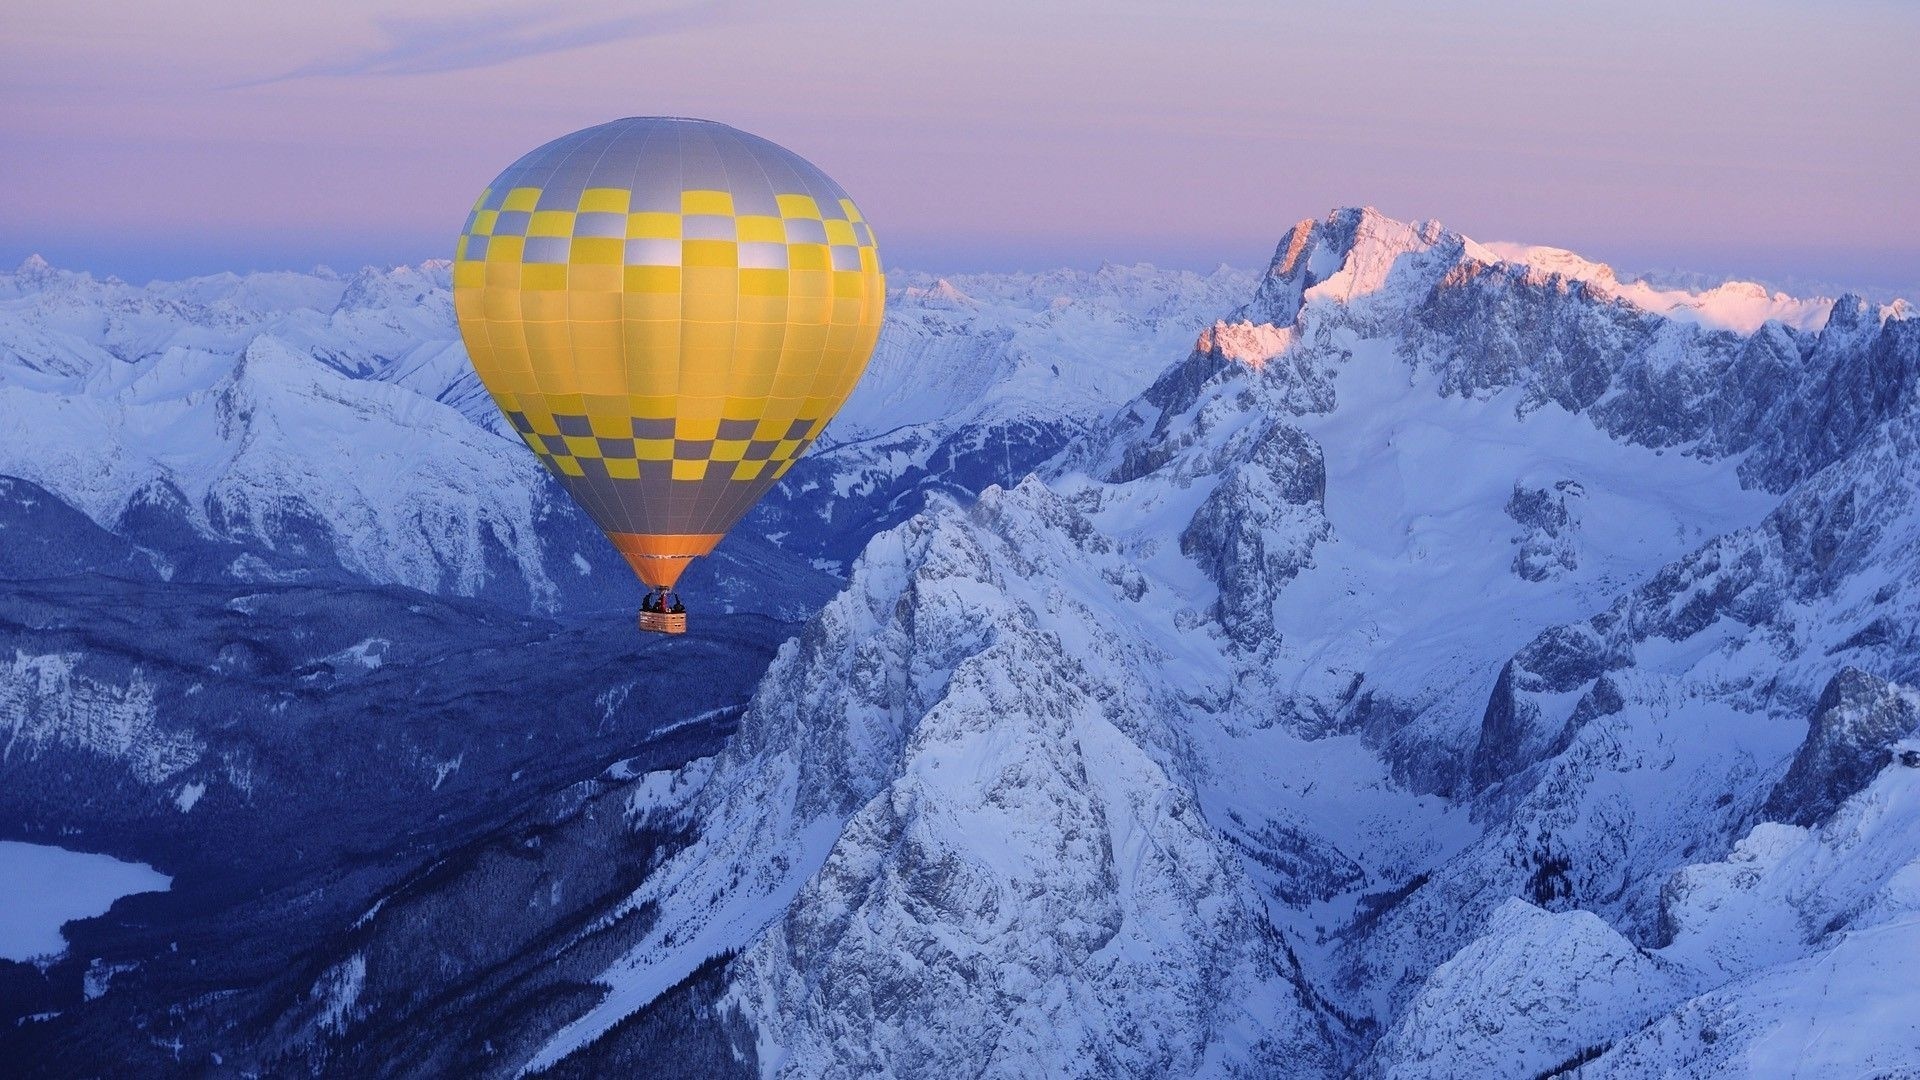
[[1855, 725], [1345, 255], [35, 273]]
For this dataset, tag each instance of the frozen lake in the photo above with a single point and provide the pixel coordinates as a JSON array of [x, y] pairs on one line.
[[42, 887]]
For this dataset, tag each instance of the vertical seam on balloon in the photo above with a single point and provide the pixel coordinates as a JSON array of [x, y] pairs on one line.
[[613, 486], [599, 509], [833, 305], [786, 320], [701, 506], [642, 519]]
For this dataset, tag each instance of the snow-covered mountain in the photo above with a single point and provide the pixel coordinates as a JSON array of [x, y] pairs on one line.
[[1408, 682], [306, 427], [1461, 662]]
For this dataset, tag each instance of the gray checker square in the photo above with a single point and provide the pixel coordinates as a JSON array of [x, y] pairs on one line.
[[546, 249], [653, 252]]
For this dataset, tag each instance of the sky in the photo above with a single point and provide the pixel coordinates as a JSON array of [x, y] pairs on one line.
[[1778, 140]]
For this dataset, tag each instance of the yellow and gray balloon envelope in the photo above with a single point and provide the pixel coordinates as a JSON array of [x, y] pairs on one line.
[[668, 311]]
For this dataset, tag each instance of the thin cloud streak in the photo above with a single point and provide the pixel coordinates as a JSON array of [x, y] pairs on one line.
[[463, 43]]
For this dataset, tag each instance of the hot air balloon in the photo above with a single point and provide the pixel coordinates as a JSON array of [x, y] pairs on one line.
[[668, 311]]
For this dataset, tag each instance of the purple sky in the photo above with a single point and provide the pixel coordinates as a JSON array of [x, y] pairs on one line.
[[1766, 138]]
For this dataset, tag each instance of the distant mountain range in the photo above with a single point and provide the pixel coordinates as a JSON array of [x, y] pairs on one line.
[[1423, 658]]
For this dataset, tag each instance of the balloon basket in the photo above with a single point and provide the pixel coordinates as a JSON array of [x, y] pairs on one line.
[[658, 622]]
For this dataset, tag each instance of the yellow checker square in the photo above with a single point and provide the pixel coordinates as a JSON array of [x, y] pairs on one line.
[[653, 225], [689, 470], [544, 277], [728, 450], [838, 232], [506, 249], [567, 404], [654, 406], [521, 198], [663, 280], [653, 449], [704, 407], [550, 223], [748, 470], [696, 427], [744, 408], [847, 208], [603, 200], [539, 416], [611, 411], [583, 446], [570, 467], [761, 228], [809, 257], [598, 250], [779, 470], [706, 202], [468, 275], [483, 222], [704, 253], [797, 206]]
